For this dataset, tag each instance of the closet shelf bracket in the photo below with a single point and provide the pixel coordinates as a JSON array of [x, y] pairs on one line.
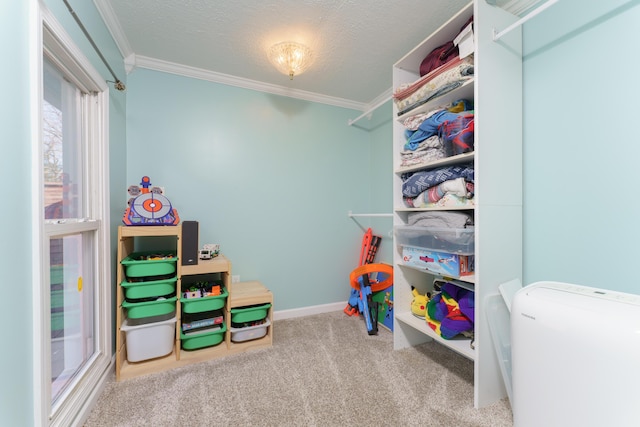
[[498, 34]]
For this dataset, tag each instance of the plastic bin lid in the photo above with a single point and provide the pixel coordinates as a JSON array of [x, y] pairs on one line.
[[499, 320]]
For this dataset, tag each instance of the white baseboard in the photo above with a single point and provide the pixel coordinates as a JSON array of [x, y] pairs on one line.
[[308, 311]]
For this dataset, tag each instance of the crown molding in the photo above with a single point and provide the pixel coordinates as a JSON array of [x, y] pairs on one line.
[[199, 73], [113, 25], [130, 63]]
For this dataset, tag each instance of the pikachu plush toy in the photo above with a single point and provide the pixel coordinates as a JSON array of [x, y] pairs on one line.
[[419, 303]]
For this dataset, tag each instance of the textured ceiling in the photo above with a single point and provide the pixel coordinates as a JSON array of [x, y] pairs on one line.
[[354, 43]]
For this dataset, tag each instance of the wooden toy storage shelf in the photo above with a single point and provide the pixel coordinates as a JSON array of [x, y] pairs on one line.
[[240, 294]]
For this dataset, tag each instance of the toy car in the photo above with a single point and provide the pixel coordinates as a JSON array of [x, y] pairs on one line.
[[209, 251]]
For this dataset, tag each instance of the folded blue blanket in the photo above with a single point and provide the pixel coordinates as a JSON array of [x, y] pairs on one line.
[[415, 183]]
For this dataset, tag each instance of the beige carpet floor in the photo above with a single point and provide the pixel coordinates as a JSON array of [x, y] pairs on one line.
[[323, 370]]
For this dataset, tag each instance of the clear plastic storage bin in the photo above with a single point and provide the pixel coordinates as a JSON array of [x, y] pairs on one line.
[[450, 240]]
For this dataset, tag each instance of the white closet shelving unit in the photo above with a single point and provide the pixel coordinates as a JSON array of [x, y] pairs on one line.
[[497, 94]]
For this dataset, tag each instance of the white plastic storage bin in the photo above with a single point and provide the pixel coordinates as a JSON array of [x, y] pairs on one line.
[[150, 340], [450, 240], [249, 332]]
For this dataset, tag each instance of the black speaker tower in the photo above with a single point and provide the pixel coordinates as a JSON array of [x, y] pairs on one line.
[[190, 244]]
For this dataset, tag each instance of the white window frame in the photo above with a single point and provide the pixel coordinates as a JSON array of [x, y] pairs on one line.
[[50, 37]]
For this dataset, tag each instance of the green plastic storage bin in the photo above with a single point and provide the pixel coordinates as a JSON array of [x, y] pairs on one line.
[[149, 264], [198, 305], [249, 314], [57, 298], [203, 339], [154, 288], [150, 310], [56, 275], [57, 322]]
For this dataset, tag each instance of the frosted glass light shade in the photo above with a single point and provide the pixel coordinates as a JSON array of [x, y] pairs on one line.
[[290, 58]]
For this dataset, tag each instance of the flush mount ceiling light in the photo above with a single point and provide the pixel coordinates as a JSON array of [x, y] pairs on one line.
[[290, 58]]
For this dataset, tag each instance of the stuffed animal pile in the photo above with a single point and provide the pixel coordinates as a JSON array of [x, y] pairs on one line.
[[450, 311]]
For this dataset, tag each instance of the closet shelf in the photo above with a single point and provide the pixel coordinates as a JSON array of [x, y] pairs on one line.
[[466, 282], [459, 345], [464, 91], [452, 160], [444, 208], [498, 34]]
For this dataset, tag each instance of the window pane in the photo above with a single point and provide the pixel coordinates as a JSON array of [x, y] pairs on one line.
[[72, 299], [62, 146]]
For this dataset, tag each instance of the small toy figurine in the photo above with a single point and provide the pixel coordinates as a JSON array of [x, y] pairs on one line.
[[145, 184]]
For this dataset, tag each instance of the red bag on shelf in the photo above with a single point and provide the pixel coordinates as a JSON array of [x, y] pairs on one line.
[[438, 57], [441, 55]]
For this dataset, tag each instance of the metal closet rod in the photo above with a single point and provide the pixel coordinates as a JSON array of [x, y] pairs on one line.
[[117, 84], [351, 214], [370, 110], [497, 35]]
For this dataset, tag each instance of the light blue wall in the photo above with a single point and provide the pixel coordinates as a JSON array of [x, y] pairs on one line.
[[16, 391], [15, 227], [381, 190], [269, 178], [581, 149]]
